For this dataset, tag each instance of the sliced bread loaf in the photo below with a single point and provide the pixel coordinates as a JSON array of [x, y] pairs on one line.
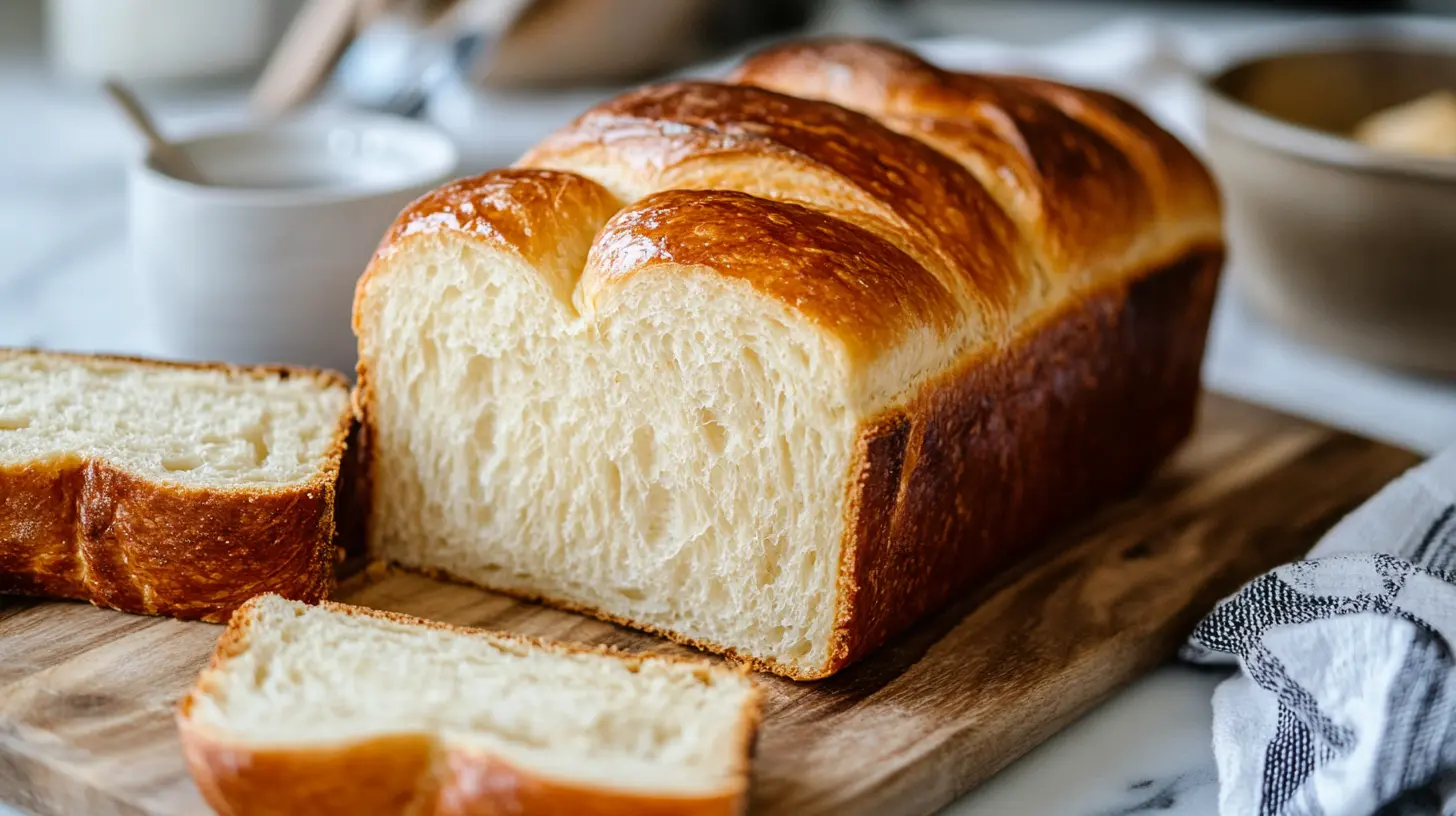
[[775, 377], [336, 709], [166, 488]]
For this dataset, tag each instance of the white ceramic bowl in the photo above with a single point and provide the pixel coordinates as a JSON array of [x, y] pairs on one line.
[[1338, 243], [260, 265]]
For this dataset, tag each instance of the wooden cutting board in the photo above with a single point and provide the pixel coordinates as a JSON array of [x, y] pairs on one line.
[[86, 695]]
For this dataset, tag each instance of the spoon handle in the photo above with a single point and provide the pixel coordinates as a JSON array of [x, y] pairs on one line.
[[169, 158]]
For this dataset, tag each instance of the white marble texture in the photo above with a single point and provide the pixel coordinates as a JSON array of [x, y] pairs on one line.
[[1147, 750], [65, 283]]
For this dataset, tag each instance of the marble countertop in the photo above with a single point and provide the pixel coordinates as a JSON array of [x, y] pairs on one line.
[[65, 283]]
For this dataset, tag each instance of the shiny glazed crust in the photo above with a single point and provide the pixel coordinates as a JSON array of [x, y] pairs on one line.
[[985, 461], [1063, 248], [86, 529], [408, 774]]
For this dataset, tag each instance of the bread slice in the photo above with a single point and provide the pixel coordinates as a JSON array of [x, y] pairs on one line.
[[776, 377], [337, 709], [167, 488]]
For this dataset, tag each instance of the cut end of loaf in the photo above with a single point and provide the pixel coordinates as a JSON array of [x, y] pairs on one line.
[[640, 374], [211, 426], [675, 459], [465, 714]]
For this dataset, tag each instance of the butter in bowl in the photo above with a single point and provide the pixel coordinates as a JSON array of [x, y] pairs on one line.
[[1336, 152], [1424, 127]]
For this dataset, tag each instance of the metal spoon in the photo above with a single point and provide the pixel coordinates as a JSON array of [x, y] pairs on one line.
[[398, 62], [168, 157]]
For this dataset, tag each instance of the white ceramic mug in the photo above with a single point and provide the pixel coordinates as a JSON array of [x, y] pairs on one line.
[[260, 265]]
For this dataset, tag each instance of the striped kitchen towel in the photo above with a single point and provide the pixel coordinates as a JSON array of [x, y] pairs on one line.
[[1346, 702]]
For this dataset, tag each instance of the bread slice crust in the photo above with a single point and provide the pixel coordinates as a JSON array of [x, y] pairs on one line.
[[407, 774], [87, 529]]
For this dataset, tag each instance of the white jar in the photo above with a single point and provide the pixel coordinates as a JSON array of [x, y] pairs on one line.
[[157, 40]]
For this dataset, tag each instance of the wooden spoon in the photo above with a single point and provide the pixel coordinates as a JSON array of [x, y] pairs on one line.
[[169, 158]]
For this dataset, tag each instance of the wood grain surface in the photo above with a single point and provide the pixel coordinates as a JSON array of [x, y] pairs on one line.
[[86, 695]]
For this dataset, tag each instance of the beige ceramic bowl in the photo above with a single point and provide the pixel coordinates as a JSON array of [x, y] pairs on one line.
[[1349, 247]]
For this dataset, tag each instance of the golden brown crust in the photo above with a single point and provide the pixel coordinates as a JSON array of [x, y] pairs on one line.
[[981, 464], [1082, 172], [842, 277], [694, 134], [1077, 281], [508, 206], [384, 775], [543, 215], [403, 775], [408, 774], [89, 530]]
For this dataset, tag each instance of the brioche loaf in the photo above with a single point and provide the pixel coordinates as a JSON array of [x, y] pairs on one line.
[[164, 488], [342, 710], [776, 367]]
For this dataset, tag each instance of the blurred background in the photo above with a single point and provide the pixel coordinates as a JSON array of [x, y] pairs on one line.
[[1340, 304], [496, 75]]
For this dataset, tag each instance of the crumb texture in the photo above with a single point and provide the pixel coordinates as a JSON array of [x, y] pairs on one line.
[[206, 427], [638, 372], [315, 676], [696, 435]]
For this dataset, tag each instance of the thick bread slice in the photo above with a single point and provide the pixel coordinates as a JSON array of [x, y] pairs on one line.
[[337, 709], [167, 488], [742, 365]]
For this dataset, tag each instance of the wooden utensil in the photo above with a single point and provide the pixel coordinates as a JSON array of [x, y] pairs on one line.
[[168, 158], [302, 61]]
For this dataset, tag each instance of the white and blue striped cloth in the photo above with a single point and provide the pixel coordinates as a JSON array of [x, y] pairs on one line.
[[1346, 701]]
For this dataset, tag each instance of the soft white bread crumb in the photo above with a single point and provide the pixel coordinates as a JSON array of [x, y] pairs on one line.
[[304, 677], [676, 459], [206, 426]]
